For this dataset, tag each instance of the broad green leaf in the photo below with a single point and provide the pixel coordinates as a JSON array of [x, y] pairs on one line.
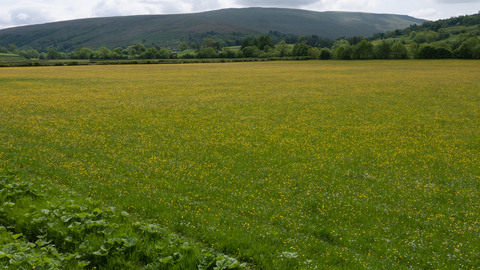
[[16, 236], [101, 252], [83, 263], [129, 241], [17, 259], [167, 260], [222, 264], [206, 262], [290, 254], [108, 231], [67, 218], [177, 256]]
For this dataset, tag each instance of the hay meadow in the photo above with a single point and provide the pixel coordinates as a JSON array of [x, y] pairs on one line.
[[281, 165]]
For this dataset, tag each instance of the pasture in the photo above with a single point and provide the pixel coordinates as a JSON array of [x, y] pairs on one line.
[[284, 165]]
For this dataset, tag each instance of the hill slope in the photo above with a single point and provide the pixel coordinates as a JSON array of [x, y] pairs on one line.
[[160, 29]]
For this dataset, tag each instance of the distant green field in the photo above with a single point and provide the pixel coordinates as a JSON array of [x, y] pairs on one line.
[[4, 56], [286, 165]]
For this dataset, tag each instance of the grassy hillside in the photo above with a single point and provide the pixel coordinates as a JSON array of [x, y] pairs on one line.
[[165, 29]]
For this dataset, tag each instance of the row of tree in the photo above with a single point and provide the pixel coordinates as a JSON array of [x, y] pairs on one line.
[[424, 44]]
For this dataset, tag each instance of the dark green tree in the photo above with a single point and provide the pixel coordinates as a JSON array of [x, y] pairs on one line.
[[248, 51], [12, 48], [344, 52], [325, 54], [382, 50], [183, 46], [23, 54], [52, 54], [103, 53], [399, 51], [246, 43], [282, 48], [300, 49], [363, 50], [33, 53]]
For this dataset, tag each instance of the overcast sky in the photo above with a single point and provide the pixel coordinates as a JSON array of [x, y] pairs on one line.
[[25, 12]]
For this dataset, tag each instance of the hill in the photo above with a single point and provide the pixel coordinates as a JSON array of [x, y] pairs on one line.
[[168, 29]]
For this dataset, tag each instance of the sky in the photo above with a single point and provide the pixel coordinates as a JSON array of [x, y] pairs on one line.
[[26, 12]]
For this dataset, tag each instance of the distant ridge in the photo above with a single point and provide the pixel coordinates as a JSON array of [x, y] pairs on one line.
[[166, 29]]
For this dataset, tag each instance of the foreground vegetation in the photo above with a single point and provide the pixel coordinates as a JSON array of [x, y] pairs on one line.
[[284, 165], [54, 228]]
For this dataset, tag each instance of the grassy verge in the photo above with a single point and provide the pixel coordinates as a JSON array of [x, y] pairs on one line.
[[42, 227]]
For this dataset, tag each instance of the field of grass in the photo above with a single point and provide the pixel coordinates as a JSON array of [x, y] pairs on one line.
[[285, 165], [5, 56]]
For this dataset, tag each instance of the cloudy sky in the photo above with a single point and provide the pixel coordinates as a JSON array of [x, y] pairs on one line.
[[25, 12]]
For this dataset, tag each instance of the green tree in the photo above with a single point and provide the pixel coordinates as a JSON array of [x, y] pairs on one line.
[[208, 42], [245, 43], [399, 51], [3, 49], [265, 41], [103, 53], [227, 53], [52, 54], [343, 52], [420, 38], [476, 52], [325, 54], [217, 46], [300, 49], [42, 56], [363, 50], [426, 51], [210, 52], [466, 49], [85, 53], [33, 53], [23, 54], [282, 48], [163, 54], [441, 44], [382, 50], [339, 43], [12, 48], [183, 46], [150, 53], [413, 34], [248, 51], [442, 34], [314, 53], [137, 49], [197, 47]]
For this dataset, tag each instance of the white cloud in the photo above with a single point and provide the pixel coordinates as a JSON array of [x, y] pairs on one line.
[[428, 14], [456, 1], [346, 5]]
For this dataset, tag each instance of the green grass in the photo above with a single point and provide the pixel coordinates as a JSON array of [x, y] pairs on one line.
[[10, 57], [284, 165]]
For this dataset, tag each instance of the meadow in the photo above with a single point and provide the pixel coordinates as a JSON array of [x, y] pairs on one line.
[[282, 165]]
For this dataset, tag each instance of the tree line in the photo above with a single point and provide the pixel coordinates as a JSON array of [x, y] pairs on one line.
[[427, 41]]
